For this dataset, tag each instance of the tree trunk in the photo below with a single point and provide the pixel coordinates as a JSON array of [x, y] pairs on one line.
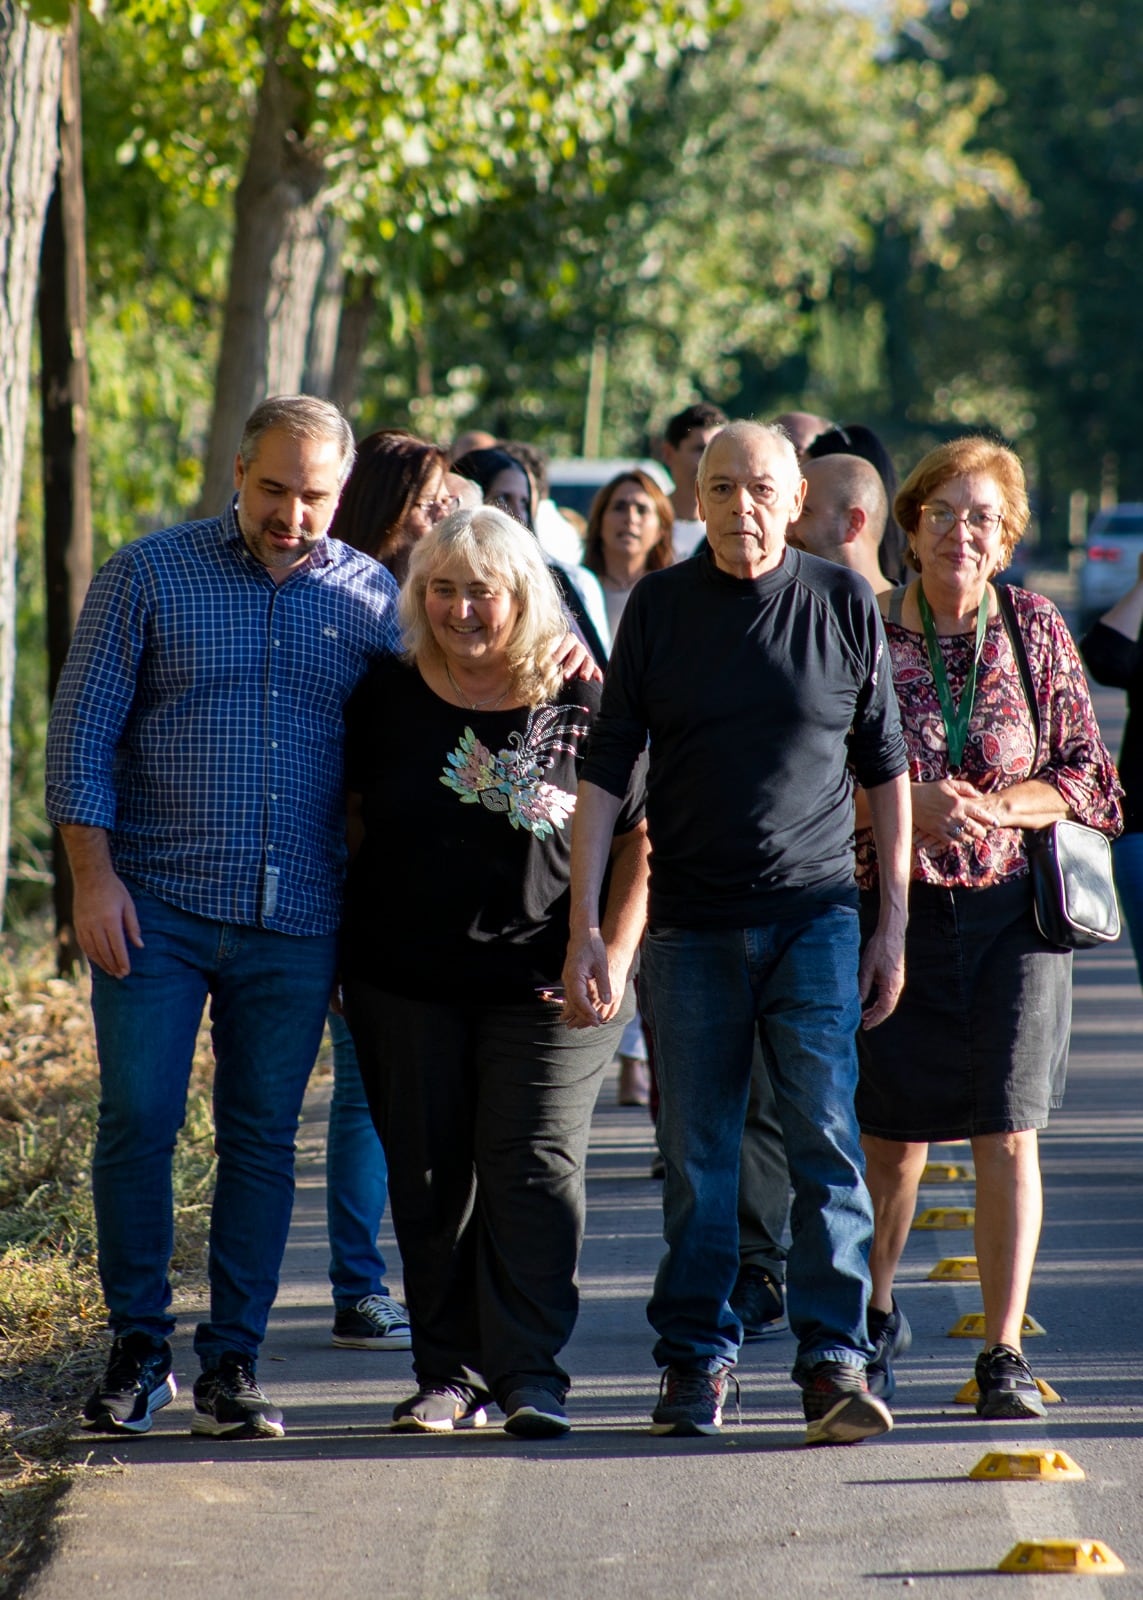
[[352, 336], [321, 351], [63, 402], [30, 59], [274, 270]]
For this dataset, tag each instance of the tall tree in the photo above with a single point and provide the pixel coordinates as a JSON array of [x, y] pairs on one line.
[[1055, 292], [30, 64], [64, 411], [715, 242], [382, 111]]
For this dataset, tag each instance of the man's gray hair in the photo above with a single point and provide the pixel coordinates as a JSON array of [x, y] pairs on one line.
[[745, 431], [302, 416]]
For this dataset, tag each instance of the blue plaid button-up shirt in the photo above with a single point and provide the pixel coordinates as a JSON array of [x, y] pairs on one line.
[[199, 720]]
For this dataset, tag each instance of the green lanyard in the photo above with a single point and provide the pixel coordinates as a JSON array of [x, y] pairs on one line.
[[955, 717]]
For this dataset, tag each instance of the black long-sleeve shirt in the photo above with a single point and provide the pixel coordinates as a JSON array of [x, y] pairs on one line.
[[1117, 661], [756, 694]]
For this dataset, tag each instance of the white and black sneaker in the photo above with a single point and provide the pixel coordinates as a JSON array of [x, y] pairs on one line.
[[228, 1404], [138, 1382], [378, 1322]]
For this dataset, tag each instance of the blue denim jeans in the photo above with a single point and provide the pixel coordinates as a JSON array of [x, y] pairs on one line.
[[268, 997], [710, 991], [1127, 859], [356, 1180]]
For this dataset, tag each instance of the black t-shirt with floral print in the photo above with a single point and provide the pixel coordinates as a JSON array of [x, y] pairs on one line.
[[460, 889]]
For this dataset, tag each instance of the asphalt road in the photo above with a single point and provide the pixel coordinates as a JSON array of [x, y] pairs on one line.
[[342, 1508]]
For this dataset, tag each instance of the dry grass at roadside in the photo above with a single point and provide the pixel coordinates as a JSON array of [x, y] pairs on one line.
[[51, 1309]]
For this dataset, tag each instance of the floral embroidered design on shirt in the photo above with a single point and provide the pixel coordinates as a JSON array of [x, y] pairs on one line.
[[512, 780]]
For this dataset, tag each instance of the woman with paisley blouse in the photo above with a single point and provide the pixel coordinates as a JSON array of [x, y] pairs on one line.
[[977, 1047], [461, 763]]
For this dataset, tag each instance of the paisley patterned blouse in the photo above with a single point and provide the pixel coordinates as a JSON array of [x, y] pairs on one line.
[[1000, 750]]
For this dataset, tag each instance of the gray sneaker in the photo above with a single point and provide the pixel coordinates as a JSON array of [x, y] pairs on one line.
[[439, 1408], [691, 1401], [839, 1408]]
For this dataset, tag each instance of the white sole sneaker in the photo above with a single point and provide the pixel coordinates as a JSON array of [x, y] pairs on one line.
[[856, 1416]]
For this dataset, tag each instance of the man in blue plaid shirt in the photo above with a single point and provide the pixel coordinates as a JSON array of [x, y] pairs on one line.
[[195, 771]]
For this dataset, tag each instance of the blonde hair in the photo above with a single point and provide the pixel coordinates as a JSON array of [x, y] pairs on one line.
[[500, 551]]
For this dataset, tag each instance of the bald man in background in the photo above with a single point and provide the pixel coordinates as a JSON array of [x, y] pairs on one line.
[[843, 516], [802, 428]]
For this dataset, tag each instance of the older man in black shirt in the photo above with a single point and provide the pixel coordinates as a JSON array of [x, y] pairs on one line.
[[759, 674]]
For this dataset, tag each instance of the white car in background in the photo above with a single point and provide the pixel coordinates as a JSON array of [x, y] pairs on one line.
[[576, 480], [1110, 560]]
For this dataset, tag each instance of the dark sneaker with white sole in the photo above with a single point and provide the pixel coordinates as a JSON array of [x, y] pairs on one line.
[[839, 1408], [758, 1302], [534, 1413], [891, 1335], [228, 1404], [137, 1383], [439, 1408], [377, 1322], [691, 1401], [1007, 1388]]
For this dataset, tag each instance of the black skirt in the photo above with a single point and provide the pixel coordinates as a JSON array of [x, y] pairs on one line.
[[979, 1040]]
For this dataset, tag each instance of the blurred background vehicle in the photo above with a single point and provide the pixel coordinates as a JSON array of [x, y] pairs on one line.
[[1110, 563], [575, 480]]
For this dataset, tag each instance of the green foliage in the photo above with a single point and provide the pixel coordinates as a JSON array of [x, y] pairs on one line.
[[721, 238], [1051, 296]]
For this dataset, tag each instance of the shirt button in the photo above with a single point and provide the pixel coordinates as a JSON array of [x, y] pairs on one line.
[[273, 694], [269, 847], [273, 744], [277, 642], [273, 797]]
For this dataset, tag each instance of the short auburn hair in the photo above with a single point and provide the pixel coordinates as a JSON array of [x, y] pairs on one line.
[[973, 453]]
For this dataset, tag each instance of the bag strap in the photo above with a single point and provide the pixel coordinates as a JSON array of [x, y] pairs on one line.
[[1020, 651]]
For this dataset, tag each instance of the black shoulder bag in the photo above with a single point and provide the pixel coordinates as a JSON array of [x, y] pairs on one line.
[[1070, 863]]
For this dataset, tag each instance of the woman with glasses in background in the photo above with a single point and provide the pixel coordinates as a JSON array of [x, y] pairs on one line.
[[977, 1047]]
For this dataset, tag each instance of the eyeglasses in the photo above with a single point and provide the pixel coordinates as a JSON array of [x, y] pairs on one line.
[[940, 519]]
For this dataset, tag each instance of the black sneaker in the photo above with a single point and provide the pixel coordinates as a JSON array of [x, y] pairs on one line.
[[378, 1322], [534, 1413], [439, 1408], [1007, 1387], [690, 1400], [138, 1382], [228, 1404], [891, 1334], [758, 1303], [839, 1408]]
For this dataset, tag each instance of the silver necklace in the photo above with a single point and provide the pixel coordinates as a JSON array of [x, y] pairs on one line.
[[475, 705]]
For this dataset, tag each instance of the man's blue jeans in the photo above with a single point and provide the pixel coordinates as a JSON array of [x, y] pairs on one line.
[[268, 993], [795, 982], [356, 1180]]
